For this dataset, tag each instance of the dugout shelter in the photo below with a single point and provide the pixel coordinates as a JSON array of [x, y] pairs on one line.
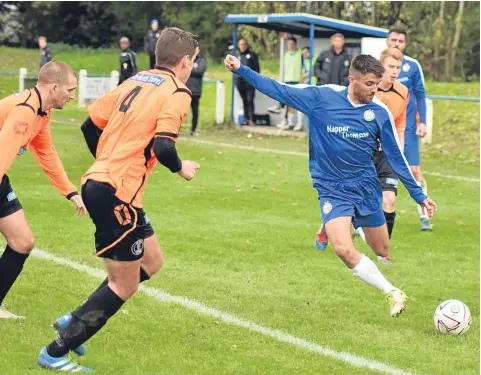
[[309, 30]]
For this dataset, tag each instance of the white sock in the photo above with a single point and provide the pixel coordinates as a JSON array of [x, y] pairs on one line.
[[424, 186], [367, 271]]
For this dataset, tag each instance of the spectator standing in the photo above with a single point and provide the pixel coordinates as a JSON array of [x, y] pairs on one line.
[[150, 41], [293, 62], [306, 69], [128, 60], [45, 51], [194, 84], [246, 90], [332, 65]]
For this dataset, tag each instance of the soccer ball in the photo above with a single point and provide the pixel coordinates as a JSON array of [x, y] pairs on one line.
[[452, 317]]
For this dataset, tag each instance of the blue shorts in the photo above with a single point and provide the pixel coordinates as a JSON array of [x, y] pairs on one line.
[[362, 200], [411, 148]]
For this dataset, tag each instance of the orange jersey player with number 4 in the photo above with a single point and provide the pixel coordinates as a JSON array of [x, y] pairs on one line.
[[396, 97], [129, 130], [25, 125]]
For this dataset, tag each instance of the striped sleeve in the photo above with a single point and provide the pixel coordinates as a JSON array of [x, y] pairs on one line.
[[419, 91], [302, 97]]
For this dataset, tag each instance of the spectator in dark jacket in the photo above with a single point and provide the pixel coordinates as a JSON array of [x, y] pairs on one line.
[[45, 52], [127, 59], [246, 91], [194, 84], [332, 65], [150, 41]]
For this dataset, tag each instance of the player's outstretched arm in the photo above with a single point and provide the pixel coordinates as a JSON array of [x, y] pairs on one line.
[[166, 154], [48, 159], [395, 158], [169, 121], [302, 97]]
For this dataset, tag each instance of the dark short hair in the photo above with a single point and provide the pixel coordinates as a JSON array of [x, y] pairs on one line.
[[397, 30], [337, 35], [306, 47], [366, 64], [293, 38], [172, 45]]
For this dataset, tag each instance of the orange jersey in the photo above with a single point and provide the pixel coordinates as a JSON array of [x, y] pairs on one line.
[[150, 104], [396, 99], [23, 126]]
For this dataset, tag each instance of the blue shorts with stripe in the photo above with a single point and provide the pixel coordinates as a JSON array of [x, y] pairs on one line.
[[361, 200]]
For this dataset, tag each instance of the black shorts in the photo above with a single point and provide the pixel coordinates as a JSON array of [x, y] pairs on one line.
[[386, 175], [120, 228], [9, 202]]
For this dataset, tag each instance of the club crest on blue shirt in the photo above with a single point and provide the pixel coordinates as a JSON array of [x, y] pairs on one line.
[[326, 207], [369, 115], [406, 67]]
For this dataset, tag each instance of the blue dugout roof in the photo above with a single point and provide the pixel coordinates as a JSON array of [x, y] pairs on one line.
[[299, 23]]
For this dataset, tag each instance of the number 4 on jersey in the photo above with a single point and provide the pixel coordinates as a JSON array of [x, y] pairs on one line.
[[127, 102]]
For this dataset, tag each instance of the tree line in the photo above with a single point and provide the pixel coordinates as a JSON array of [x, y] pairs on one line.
[[443, 36]]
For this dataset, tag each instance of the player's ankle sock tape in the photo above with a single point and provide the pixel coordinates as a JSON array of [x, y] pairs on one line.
[[87, 320], [11, 265], [390, 217]]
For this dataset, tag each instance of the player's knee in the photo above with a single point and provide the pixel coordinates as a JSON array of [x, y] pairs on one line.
[[346, 252], [153, 257], [158, 263], [22, 245], [389, 203]]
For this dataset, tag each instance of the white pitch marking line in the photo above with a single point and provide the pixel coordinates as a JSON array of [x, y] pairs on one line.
[[303, 154], [293, 153], [162, 296]]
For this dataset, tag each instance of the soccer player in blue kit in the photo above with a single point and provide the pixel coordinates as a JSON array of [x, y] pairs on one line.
[[412, 77], [345, 126]]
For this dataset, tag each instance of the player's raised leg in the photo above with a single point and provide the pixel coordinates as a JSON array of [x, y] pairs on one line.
[[20, 242], [321, 238], [152, 262], [378, 239], [90, 317], [338, 230]]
